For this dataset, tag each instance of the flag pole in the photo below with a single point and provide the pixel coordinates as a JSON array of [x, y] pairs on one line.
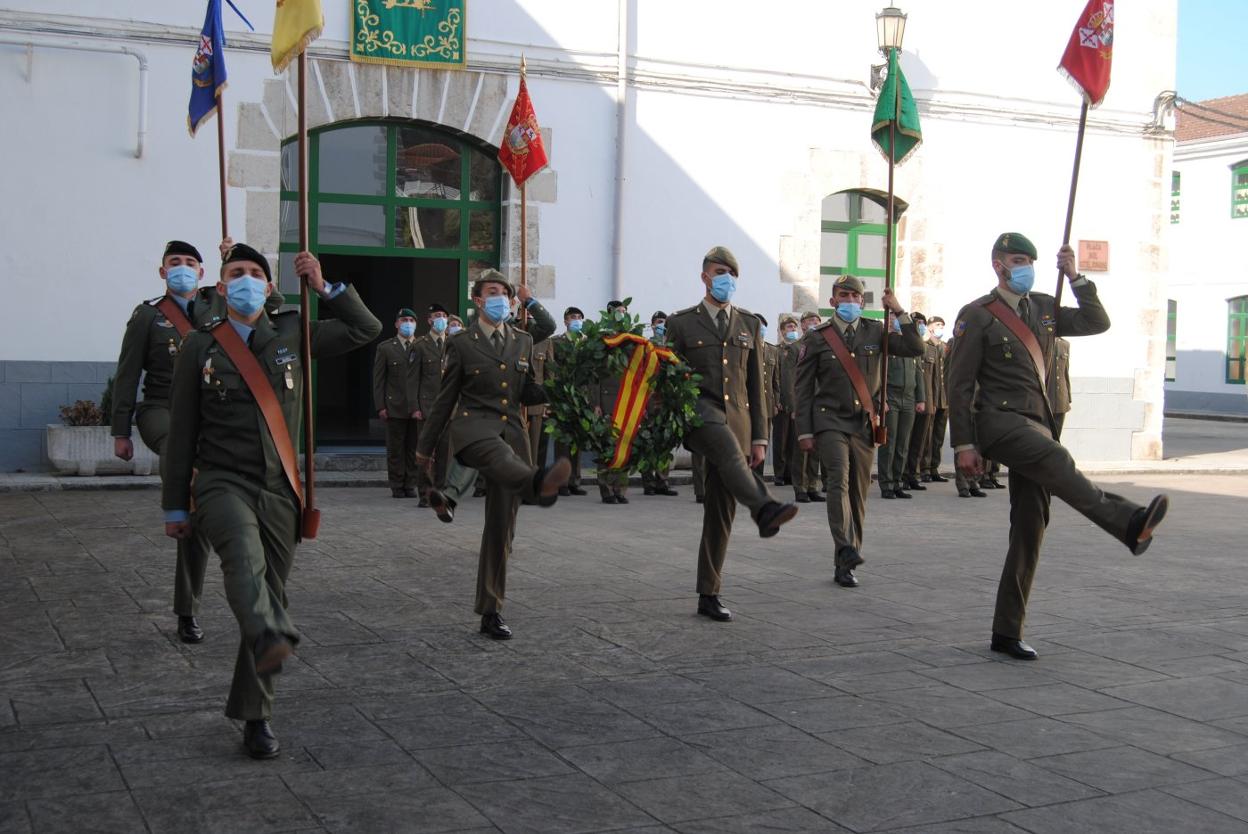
[[309, 469], [225, 225], [881, 432], [1070, 209], [524, 225]]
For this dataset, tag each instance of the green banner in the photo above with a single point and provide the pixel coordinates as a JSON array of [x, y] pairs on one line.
[[410, 33]]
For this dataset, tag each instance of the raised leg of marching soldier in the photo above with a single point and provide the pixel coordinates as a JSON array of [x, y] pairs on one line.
[[192, 563], [419, 478], [848, 461]]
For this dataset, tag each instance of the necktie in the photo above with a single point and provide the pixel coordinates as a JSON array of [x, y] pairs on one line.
[[497, 339], [1024, 310], [190, 310], [722, 323], [849, 335]]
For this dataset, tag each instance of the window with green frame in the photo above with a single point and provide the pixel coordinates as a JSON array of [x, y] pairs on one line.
[[398, 189], [1174, 196], [1172, 329], [1236, 339], [1239, 189], [853, 241]]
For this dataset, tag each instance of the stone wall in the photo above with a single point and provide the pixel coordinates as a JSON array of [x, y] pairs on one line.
[[31, 394]]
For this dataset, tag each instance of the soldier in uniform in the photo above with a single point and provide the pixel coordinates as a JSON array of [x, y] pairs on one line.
[[655, 482], [771, 380], [931, 368], [396, 385], [783, 438], [488, 377], [906, 398], [612, 483], [935, 444], [721, 343], [539, 441], [245, 506], [834, 423], [999, 406], [811, 472], [430, 350], [1059, 385], [573, 320]]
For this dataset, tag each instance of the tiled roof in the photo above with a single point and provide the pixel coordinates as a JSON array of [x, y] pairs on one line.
[[1192, 122]]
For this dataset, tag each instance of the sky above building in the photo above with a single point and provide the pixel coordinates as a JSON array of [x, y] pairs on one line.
[[1212, 59]]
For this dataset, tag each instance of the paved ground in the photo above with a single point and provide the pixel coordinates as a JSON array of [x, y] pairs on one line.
[[616, 708]]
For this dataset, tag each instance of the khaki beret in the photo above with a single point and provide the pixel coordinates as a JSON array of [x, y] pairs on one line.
[[848, 282], [722, 255], [492, 276]]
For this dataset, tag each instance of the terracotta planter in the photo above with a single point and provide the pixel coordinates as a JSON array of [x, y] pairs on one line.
[[88, 450]]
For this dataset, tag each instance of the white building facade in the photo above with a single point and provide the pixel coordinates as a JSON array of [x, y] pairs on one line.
[[694, 124]]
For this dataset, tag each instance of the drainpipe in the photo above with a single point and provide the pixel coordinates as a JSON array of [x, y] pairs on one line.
[[621, 147], [75, 46]]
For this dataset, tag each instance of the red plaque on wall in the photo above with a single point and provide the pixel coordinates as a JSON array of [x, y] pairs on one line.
[[1094, 255]]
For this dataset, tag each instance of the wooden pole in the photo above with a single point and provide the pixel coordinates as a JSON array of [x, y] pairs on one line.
[[524, 227], [225, 223], [1070, 211], [305, 312], [888, 265]]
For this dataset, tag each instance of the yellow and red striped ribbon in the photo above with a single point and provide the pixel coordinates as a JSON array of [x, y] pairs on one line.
[[635, 390]]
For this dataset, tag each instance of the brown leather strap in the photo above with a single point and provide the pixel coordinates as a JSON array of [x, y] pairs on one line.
[[171, 311], [856, 378], [257, 382], [1002, 313]]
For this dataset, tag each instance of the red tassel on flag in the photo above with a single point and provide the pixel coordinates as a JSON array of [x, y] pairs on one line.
[[1090, 51]]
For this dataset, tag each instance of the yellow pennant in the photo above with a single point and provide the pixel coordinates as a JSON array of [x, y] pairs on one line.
[[296, 25]]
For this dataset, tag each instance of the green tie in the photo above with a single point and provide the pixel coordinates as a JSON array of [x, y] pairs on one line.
[[722, 321], [497, 339]]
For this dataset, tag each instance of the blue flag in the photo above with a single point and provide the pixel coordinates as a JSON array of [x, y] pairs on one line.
[[208, 69]]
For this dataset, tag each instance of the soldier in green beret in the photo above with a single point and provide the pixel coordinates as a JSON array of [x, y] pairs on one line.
[[396, 393], [999, 407], [245, 505]]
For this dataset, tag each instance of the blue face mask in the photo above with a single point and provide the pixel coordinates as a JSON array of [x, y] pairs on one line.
[[923, 331], [245, 294], [453, 329], [895, 326], [497, 308], [407, 328], [1021, 279], [182, 279], [762, 332], [660, 330], [849, 311], [792, 335], [722, 287], [438, 324], [575, 325]]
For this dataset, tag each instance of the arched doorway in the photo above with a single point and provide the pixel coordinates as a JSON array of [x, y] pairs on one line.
[[853, 240], [407, 212]]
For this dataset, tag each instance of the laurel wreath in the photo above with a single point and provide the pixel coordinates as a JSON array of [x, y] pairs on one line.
[[584, 362]]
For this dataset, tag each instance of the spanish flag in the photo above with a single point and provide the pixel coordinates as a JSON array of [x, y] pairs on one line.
[[296, 25]]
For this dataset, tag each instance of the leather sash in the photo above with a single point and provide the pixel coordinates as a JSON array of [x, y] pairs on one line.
[[257, 382], [171, 311], [856, 379], [1002, 313]]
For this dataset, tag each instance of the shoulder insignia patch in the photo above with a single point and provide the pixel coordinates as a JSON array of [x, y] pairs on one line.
[[959, 327]]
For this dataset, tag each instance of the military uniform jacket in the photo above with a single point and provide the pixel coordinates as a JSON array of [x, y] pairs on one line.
[[541, 352], [731, 389], [215, 423], [906, 385], [934, 376], [771, 378], [430, 361], [396, 378], [481, 388], [993, 385], [1059, 380], [150, 344], [786, 382], [826, 400]]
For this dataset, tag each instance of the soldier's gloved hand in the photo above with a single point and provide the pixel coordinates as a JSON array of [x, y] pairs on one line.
[[969, 462], [123, 447], [178, 529]]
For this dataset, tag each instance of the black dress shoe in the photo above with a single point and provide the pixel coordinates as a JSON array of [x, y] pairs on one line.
[[802, 498], [564, 492], [620, 499], [609, 499], [816, 497], [710, 606], [978, 493], [845, 578], [493, 625], [915, 485], [259, 741], [964, 493], [888, 493], [410, 493], [576, 490], [270, 650], [937, 478], [772, 516], [189, 630], [902, 494], [479, 492], [993, 483], [647, 490], [1015, 648], [443, 506], [423, 503], [1144, 521], [397, 493], [666, 490], [925, 478]]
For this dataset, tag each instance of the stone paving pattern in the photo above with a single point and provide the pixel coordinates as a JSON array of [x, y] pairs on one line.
[[616, 708]]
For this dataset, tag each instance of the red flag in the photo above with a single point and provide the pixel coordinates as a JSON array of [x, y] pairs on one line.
[[1090, 51], [522, 152]]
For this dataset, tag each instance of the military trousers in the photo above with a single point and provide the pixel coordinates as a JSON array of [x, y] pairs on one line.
[[920, 436], [1041, 467], [539, 441], [781, 427], [698, 464], [562, 450], [1059, 421], [656, 478], [401, 436], [936, 443], [611, 481], [509, 478], [892, 455], [192, 561], [963, 482], [847, 458], [422, 481], [253, 528], [729, 479]]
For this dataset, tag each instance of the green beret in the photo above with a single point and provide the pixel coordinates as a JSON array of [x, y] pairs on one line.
[[810, 314], [848, 282], [787, 318], [722, 255], [243, 252], [1012, 243], [492, 276], [406, 313]]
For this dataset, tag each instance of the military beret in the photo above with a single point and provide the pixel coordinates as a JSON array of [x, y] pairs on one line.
[[406, 313], [492, 276], [848, 282], [243, 252], [1012, 243], [181, 247], [438, 308], [573, 311], [722, 255], [788, 318], [614, 303], [811, 314], [918, 317], [659, 314]]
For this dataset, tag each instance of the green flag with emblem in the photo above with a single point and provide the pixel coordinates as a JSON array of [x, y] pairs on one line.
[[896, 108]]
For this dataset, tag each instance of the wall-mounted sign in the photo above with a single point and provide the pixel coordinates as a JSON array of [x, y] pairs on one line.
[[410, 33], [1094, 256]]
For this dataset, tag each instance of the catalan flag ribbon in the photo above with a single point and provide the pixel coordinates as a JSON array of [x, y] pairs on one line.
[[635, 390]]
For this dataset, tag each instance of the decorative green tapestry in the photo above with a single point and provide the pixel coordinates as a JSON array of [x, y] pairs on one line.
[[409, 33]]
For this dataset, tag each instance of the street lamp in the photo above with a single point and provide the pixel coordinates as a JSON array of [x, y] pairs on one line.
[[890, 28]]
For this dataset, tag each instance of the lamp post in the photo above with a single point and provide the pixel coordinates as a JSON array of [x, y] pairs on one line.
[[890, 31]]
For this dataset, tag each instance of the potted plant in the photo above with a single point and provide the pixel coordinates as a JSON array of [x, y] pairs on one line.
[[81, 443]]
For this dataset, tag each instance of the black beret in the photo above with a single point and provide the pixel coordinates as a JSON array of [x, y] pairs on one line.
[[612, 304], [659, 314], [181, 247], [243, 252], [573, 311], [406, 313], [438, 308]]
